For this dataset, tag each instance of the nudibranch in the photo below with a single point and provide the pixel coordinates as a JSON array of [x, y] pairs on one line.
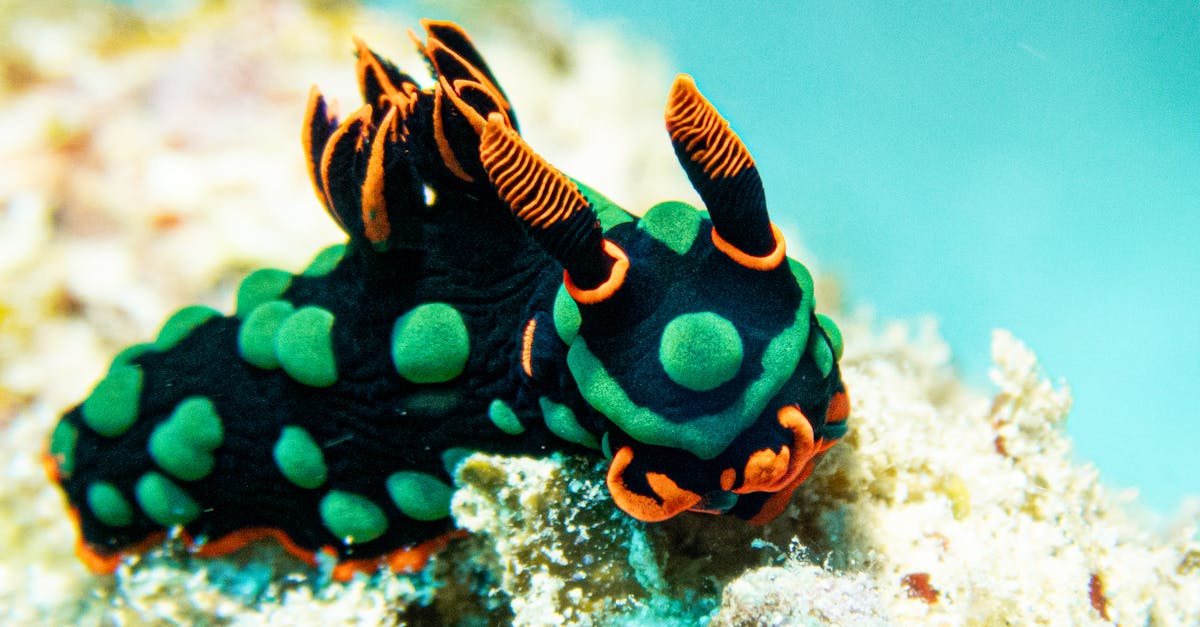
[[483, 301]]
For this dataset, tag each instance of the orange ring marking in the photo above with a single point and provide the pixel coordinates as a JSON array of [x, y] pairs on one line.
[[770, 261], [600, 293]]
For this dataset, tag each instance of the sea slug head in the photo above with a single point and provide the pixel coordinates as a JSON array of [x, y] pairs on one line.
[[692, 333]]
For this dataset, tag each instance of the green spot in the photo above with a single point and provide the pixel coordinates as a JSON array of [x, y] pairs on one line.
[[821, 355], [129, 353], [566, 316], [430, 344], [299, 458], [259, 287], [673, 223], [703, 436], [113, 405], [183, 444], [164, 502], [304, 347], [108, 504], [256, 336], [606, 447], [561, 422], [62, 447], [700, 351], [325, 261], [608, 212], [352, 517], [835, 334], [420, 496], [505, 418], [453, 456], [181, 323]]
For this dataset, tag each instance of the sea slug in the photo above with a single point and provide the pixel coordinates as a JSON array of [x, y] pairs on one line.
[[484, 301]]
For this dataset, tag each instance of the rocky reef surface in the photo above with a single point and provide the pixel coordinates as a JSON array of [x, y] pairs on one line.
[[152, 159]]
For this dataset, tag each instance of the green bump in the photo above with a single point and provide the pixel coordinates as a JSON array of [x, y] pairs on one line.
[[108, 504], [505, 418], [183, 444], [700, 351], [420, 496], [835, 334], [560, 420], [181, 323], [430, 344], [113, 405], [352, 517], [62, 447], [299, 458], [259, 287], [304, 347], [256, 336], [164, 502], [325, 261], [673, 223], [820, 352], [566, 316], [805, 280]]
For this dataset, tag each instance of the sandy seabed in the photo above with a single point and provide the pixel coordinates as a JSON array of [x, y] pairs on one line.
[[151, 159]]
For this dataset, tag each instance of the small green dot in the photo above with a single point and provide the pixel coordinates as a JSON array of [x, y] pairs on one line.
[[325, 261], [700, 351], [834, 333], [62, 447], [304, 346], [673, 223], [299, 458], [566, 316], [181, 323], [183, 444], [113, 405], [420, 496], [820, 352], [353, 518], [259, 287], [108, 504], [256, 336], [505, 418], [560, 420], [430, 344], [164, 502]]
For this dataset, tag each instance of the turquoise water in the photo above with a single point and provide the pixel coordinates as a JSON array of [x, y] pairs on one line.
[[1032, 166]]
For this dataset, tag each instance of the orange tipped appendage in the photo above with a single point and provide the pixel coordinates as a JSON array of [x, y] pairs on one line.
[[376, 226], [770, 261], [704, 135], [320, 120], [357, 125], [373, 77], [537, 193], [674, 499]]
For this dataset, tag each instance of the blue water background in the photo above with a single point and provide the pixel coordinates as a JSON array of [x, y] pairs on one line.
[[1032, 166]]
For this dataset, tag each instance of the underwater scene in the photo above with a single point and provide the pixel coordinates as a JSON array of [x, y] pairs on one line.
[[571, 313]]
